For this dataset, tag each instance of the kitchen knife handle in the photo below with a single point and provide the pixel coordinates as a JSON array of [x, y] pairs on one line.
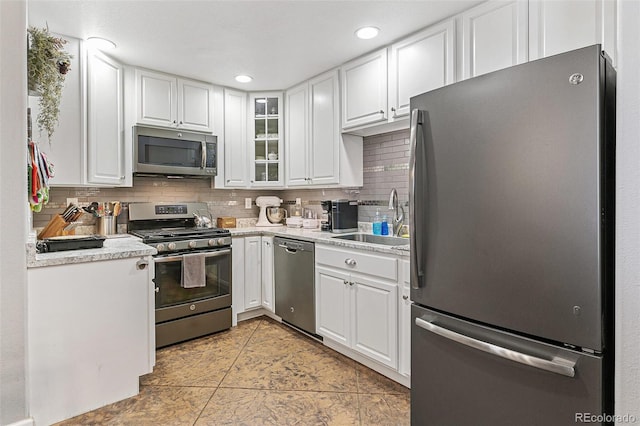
[[562, 367], [417, 269]]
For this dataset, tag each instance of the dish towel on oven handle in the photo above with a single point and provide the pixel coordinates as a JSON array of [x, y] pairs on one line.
[[193, 271]]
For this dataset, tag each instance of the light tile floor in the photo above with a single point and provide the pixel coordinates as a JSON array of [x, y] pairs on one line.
[[258, 373]]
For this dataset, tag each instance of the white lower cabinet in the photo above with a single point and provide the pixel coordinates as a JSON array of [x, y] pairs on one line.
[[91, 334], [252, 274], [268, 289], [404, 320], [356, 302]]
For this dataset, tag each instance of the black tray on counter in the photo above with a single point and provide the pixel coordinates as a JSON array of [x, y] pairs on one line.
[[69, 242]]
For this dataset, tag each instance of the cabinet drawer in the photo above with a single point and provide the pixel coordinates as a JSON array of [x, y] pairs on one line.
[[358, 261]]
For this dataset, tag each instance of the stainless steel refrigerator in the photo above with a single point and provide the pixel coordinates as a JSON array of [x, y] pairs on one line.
[[512, 241]]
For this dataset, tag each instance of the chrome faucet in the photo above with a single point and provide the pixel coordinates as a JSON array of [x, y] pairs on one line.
[[398, 212]]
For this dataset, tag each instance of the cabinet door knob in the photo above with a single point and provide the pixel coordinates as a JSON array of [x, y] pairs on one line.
[[142, 264], [157, 289], [350, 262], [345, 282], [381, 112], [393, 109], [350, 283], [405, 297], [174, 121]]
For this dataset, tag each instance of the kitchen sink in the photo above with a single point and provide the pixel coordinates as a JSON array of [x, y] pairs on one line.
[[374, 239]]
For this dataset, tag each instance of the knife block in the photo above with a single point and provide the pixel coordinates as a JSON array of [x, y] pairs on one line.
[[55, 228]]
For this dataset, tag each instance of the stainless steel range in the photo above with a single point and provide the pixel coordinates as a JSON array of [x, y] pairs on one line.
[[192, 270]]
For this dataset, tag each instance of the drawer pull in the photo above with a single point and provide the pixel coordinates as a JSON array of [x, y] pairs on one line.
[[345, 282], [142, 264], [349, 261]]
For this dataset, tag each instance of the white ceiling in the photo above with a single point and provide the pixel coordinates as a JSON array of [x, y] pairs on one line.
[[278, 43]]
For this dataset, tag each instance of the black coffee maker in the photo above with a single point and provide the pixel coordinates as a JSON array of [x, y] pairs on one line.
[[339, 215], [325, 218]]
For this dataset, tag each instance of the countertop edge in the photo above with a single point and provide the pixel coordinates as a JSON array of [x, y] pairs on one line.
[[113, 249], [319, 237]]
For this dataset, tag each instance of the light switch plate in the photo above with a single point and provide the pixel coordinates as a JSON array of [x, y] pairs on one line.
[[247, 203]]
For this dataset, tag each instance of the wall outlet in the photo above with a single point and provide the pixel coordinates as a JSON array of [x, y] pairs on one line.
[[298, 201], [247, 203], [72, 201]]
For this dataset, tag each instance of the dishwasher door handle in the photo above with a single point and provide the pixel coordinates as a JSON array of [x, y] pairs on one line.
[[287, 249]]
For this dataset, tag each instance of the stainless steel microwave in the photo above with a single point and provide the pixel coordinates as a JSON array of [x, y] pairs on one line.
[[174, 152]]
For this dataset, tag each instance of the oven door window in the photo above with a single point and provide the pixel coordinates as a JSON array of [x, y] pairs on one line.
[[169, 152], [169, 275]]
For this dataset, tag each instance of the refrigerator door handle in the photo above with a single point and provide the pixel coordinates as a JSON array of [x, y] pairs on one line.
[[562, 367], [417, 269]]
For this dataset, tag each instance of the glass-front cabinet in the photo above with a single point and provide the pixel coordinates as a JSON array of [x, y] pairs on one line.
[[265, 147]]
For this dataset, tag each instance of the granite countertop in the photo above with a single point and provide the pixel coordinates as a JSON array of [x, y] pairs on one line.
[[320, 237], [114, 248], [130, 246]]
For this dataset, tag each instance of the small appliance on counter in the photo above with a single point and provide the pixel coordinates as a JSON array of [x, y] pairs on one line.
[[295, 218], [341, 216], [69, 242], [270, 212]]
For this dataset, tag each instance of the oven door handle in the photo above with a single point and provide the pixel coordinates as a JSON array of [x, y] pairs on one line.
[[179, 257]]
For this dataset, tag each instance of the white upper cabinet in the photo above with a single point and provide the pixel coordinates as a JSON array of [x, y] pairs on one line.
[[157, 98], [324, 149], [235, 139], [494, 36], [422, 62], [88, 147], [563, 25], [265, 139], [364, 90], [105, 129], [168, 101], [67, 148], [316, 152], [297, 135], [194, 105]]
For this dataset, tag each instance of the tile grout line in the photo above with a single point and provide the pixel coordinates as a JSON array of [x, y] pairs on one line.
[[225, 374]]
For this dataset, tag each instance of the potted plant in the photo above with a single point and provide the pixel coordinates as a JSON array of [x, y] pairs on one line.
[[47, 64]]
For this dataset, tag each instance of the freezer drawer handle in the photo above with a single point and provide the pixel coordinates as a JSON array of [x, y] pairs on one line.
[[565, 368]]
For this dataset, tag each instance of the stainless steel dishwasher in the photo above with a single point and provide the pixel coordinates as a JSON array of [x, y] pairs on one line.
[[294, 275]]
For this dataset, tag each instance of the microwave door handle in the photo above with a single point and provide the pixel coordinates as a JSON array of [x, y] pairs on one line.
[[203, 147]]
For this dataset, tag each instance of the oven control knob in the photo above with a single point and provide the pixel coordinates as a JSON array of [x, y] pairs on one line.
[[220, 241], [160, 247], [192, 244], [212, 242], [171, 246]]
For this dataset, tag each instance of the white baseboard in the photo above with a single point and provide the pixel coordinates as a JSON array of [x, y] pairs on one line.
[[385, 371], [23, 422], [258, 312]]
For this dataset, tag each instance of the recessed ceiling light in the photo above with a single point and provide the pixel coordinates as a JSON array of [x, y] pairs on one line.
[[366, 33], [100, 43], [243, 78]]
